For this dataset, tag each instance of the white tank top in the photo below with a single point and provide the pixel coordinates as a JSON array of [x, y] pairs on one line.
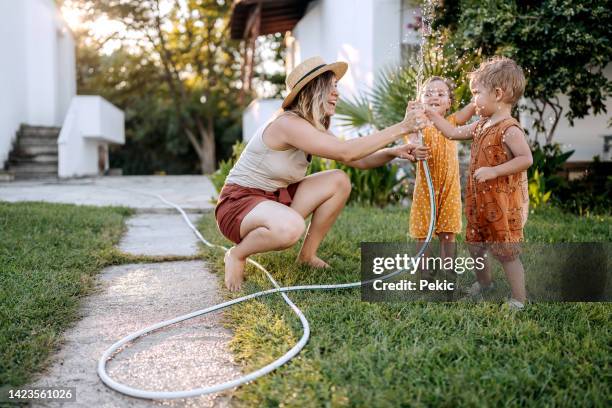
[[266, 169]]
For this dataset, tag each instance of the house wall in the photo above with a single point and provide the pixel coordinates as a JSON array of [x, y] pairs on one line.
[[256, 114], [586, 136], [38, 73], [364, 33]]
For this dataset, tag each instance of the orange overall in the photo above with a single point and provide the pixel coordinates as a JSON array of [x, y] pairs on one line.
[[496, 209]]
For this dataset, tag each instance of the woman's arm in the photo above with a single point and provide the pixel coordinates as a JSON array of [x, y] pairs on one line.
[[448, 130], [299, 133], [383, 156], [463, 115]]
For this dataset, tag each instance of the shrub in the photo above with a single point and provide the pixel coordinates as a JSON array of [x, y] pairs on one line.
[[219, 176]]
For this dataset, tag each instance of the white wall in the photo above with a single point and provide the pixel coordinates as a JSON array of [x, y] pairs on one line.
[[585, 137], [364, 33], [13, 98], [91, 123], [256, 114], [37, 73]]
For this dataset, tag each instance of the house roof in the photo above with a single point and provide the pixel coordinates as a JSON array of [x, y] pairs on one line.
[[277, 16]]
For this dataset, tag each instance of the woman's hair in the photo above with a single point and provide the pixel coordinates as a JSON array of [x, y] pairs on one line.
[[310, 101], [449, 84]]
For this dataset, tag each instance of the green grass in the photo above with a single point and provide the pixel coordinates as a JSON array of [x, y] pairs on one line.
[[417, 354], [49, 255]]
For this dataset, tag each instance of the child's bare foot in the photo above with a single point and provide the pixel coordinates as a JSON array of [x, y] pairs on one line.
[[234, 271], [315, 262]]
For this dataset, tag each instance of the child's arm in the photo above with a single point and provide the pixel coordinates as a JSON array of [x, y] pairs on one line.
[[448, 130], [514, 138], [465, 114]]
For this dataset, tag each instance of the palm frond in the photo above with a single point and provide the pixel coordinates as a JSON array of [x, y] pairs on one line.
[[355, 113]]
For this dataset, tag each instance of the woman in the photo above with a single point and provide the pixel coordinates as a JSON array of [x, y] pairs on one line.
[[267, 196]]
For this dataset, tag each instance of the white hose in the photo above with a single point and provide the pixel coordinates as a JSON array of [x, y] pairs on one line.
[[135, 392]]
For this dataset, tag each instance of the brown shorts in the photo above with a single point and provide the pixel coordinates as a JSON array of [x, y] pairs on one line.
[[235, 202]]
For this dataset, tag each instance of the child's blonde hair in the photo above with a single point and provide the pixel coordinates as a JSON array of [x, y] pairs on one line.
[[503, 73], [448, 82]]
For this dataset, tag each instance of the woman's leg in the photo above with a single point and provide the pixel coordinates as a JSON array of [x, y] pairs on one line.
[[268, 226], [323, 195]]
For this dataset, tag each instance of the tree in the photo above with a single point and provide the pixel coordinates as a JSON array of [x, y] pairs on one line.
[[181, 52], [563, 46]]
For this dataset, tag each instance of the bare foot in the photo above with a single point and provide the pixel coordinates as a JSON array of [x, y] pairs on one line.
[[315, 262], [234, 271]]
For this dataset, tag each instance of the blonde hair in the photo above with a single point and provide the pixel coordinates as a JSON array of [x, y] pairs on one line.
[[310, 101], [448, 82], [504, 73]]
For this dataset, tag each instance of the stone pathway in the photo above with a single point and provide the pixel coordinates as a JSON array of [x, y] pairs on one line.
[[159, 234], [188, 355], [192, 193]]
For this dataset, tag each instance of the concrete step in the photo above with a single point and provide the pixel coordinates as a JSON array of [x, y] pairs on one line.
[[35, 141], [35, 176], [39, 131], [34, 149], [33, 167], [39, 158], [6, 176]]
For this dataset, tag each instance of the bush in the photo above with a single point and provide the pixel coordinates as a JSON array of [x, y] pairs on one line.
[[219, 176], [538, 195], [590, 194], [548, 160], [373, 186]]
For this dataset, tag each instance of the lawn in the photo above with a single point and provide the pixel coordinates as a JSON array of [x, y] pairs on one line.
[[49, 255], [417, 354]]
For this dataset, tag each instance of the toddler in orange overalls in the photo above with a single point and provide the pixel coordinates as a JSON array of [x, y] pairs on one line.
[[496, 199]]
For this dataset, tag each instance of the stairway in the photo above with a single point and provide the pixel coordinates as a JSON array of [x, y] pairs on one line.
[[34, 155]]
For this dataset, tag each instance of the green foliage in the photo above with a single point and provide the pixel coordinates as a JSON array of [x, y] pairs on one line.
[[591, 194], [49, 256], [563, 46], [175, 72], [538, 196], [219, 176], [373, 186], [548, 159]]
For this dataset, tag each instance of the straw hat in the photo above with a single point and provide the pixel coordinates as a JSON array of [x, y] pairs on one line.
[[306, 71]]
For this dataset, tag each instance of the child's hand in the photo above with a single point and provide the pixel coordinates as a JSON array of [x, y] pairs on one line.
[[421, 152], [430, 113], [485, 173], [411, 152]]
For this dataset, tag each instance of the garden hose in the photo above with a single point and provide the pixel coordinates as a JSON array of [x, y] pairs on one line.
[[139, 393]]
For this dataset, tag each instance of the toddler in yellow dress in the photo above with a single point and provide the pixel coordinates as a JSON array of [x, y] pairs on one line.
[[437, 94]]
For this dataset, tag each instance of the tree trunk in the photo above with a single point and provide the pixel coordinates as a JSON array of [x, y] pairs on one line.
[[207, 143]]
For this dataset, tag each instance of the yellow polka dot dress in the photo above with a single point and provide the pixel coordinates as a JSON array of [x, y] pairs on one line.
[[444, 169]]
